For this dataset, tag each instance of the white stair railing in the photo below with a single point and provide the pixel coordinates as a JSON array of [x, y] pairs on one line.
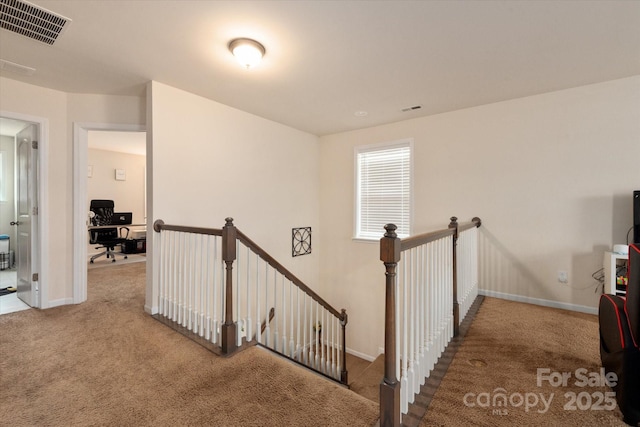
[[304, 327], [190, 280], [261, 300], [431, 282]]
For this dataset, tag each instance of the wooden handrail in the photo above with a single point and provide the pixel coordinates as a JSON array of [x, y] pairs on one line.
[[423, 239], [159, 225], [475, 222], [391, 248], [286, 273]]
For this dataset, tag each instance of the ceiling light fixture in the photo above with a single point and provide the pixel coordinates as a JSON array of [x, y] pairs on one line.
[[248, 52]]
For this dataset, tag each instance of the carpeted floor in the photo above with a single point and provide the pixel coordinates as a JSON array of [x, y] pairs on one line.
[[107, 363], [500, 356]]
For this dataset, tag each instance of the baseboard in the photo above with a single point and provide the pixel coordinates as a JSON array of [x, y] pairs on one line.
[[361, 355], [539, 301], [59, 302], [151, 310]]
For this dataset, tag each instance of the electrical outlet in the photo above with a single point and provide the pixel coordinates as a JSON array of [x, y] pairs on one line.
[[563, 277]]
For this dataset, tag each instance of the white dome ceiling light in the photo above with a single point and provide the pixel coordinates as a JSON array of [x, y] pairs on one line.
[[248, 52]]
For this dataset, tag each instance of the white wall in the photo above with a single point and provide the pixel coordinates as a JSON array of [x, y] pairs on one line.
[[128, 195], [211, 161], [551, 177]]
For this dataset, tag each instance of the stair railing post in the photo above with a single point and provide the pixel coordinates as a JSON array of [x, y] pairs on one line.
[[343, 323], [228, 329], [390, 387], [456, 306]]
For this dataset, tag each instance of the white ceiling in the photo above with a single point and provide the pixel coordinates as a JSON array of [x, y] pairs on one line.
[[122, 142], [326, 60]]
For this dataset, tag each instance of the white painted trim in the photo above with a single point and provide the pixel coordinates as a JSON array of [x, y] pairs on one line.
[[80, 164], [59, 302], [151, 310], [40, 256], [539, 301], [361, 355]]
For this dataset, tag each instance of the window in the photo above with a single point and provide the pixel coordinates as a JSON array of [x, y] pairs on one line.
[[383, 189]]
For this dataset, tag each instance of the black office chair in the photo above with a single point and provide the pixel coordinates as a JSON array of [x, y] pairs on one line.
[[620, 341], [107, 238]]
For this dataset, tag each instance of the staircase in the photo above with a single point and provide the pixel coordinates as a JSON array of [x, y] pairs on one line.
[[221, 289], [367, 376]]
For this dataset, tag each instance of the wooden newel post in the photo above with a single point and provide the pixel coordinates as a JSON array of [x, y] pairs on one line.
[[228, 330], [456, 307], [389, 387], [344, 318]]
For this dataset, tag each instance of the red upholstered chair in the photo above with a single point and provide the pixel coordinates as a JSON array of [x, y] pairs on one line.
[[619, 319]]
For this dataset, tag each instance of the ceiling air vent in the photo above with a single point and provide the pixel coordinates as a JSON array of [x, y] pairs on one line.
[[31, 21], [415, 107]]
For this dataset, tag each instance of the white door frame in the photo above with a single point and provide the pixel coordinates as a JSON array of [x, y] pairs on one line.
[[80, 213], [39, 254]]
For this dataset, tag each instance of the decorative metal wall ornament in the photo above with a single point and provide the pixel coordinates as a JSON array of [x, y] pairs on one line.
[[300, 241]]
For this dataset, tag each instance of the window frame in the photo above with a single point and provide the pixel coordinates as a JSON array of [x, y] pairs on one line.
[[401, 143]]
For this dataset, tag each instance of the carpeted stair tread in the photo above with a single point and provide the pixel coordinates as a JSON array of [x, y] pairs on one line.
[[367, 384]]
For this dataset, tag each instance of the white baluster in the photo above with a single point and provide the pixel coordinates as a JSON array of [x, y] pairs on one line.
[[161, 245], [258, 325], [298, 324], [240, 323], [267, 331], [249, 325], [314, 355], [180, 282], [334, 347], [323, 337], [304, 331], [276, 311], [422, 316], [398, 322], [285, 343], [406, 322], [207, 332], [292, 346], [214, 291]]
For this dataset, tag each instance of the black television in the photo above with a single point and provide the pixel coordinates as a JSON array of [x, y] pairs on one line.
[[636, 216]]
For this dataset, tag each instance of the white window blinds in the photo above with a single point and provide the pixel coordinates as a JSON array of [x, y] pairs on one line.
[[383, 189]]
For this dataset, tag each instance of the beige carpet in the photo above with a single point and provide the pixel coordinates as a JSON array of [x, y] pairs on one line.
[[367, 384], [107, 262], [107, 363], [506, 344]]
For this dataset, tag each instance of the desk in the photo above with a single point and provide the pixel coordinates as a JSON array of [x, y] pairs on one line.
[[130, 246]]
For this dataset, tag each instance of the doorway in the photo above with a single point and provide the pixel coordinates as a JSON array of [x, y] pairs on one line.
[[21, 138], [116, 172], [109, 175]]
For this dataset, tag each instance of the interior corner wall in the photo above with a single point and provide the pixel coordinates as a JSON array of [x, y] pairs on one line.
[[551, 176], [62, 110], [211, 161], [25, 99]]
